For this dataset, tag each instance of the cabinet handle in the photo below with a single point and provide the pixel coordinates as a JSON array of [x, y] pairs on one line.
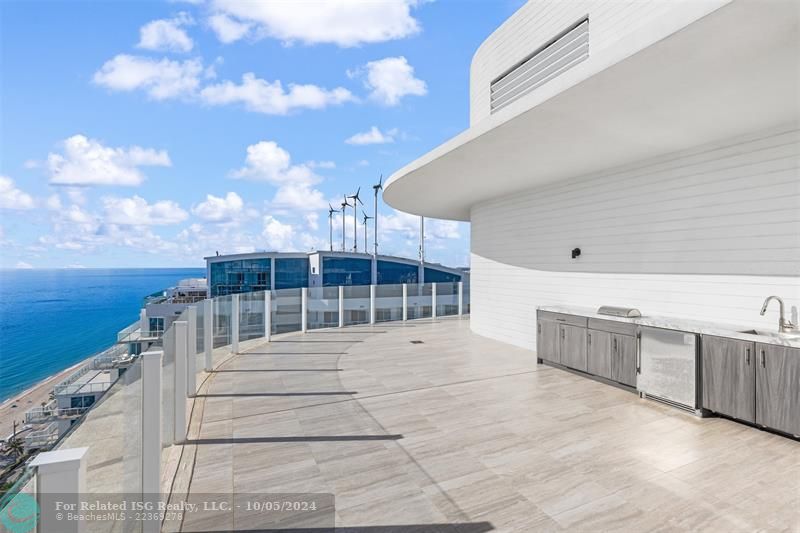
[[589, 338], [539, 329], [562, 333], [747, 357], [638, 352], [763, 359], [615, 345]]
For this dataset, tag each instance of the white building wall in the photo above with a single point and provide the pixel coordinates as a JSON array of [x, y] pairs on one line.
[[705, 234], [617, 29]]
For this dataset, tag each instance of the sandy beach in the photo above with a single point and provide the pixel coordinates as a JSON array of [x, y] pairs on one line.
[[14, 408]]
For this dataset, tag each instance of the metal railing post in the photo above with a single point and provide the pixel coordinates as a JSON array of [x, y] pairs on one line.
[[304, 309], [191, 352], [208, 333], [433, 300], [372, 304], [151, 432], [235, 323], [341, 306], [181, 393], [460, 298], [60, 478], [268, 315], [405, 302]]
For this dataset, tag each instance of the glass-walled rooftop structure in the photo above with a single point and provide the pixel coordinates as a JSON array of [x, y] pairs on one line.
[[242, 273]]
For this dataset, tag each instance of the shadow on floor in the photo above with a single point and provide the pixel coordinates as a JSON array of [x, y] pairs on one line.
[[304, 438], [293, 353], [274, 394], [467, 527], [280, 370], [305, 340]]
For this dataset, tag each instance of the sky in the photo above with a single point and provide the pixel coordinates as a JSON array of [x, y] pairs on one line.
[[153, 134]]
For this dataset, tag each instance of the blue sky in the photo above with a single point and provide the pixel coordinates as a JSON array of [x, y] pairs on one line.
[[155, 133]]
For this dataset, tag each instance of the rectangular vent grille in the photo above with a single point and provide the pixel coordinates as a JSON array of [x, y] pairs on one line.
[[559, 55]]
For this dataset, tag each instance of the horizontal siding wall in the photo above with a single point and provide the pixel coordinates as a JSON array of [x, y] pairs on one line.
[[706, 234], [635, 23]]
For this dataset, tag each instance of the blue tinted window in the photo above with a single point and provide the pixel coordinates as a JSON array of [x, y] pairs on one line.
[[391, 272], [346, 271], [246, 275], [291, 273], [433, 275]]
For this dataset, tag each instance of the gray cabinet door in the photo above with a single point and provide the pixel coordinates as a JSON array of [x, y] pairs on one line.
[[547, 341], [623, 359], [598, 353], [778, 388], [729, 377], [573, 347]]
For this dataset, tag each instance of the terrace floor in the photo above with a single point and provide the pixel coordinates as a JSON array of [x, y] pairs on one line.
[[460, 433]]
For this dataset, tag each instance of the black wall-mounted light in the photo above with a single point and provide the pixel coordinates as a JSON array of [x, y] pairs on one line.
[[576, 252]]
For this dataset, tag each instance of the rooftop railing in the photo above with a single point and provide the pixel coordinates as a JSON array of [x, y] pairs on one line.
[[124, 441]]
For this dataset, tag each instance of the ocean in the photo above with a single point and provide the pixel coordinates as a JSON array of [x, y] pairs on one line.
[[52, 319]]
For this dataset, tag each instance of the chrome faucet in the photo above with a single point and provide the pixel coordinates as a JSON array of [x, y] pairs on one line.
[[784, 326]]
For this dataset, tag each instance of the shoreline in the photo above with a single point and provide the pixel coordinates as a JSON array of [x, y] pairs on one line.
[[31, 397]]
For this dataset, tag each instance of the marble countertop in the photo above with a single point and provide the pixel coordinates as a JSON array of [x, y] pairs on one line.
[[771, 336]]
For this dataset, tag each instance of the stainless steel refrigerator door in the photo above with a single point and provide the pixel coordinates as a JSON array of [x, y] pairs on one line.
[[668, 365]]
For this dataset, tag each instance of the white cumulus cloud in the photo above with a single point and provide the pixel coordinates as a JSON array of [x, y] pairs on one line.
[[390, 79], [167, 34], [279, 236], [345, 23], [266, 161], [86, 161], [372, 136], [135, 211], [162, 79], [271, 98], [228, 29], [22, 265], [216, 209], [13, 198]]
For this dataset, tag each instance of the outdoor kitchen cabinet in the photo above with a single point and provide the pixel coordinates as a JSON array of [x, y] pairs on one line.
[[572, 347], [598, 348], [547, 340], [752, 382], [777, 388], [623, 359], [729, 377]]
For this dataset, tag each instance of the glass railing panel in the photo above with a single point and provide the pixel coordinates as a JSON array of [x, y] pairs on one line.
[[168, 389], [323, 307], [112, 431], [287, 310], [356, 304], [446, 299], [251, 315], [222, 322], [388, 302], [465, 298], [419, 300], [16, 501], [199, 327]]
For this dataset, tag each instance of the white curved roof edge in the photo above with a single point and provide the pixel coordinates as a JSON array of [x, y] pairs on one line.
[[732, 72]]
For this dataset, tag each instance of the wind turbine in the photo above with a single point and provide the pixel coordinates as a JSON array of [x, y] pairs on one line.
[[376, 188], [345, 205], [365, 229], [355, 199], [331, 211]]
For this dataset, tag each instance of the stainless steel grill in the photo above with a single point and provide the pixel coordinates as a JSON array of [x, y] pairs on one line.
[[627, 312]]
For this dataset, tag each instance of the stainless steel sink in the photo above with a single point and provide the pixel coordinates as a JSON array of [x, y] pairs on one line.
[[774, 334]]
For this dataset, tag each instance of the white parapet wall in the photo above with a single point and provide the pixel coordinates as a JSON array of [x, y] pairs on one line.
[[704, 234]]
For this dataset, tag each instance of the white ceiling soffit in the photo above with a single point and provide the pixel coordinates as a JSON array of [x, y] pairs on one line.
[[732, 72]]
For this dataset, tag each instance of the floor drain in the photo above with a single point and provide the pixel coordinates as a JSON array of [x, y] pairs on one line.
[[417, 342]]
